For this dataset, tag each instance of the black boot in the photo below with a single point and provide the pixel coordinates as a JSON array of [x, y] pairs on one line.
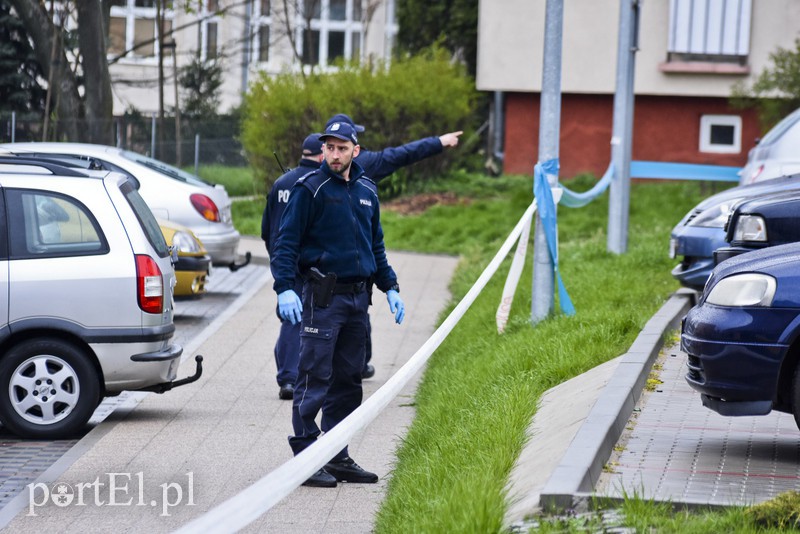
[[321, 479], [286, 392], [368, 372], [346, 470]]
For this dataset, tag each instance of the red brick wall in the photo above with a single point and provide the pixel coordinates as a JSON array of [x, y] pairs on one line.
[[664, 129]]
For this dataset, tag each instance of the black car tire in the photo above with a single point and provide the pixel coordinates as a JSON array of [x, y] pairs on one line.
[[796, 395], [48, 389]]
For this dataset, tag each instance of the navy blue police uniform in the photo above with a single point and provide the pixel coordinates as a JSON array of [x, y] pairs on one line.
[[332, 224], [378, 165], [287, 347]]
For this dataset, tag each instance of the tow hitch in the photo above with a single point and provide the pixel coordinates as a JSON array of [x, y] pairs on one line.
[[235, 267], [166, 386]]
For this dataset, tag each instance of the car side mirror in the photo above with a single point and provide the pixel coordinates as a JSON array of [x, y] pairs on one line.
[[173, 254]]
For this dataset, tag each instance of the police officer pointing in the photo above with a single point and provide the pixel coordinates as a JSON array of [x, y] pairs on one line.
[[331, 232]]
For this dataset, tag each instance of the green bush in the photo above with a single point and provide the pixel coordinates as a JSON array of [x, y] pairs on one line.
[[782, 512], [414, 97]]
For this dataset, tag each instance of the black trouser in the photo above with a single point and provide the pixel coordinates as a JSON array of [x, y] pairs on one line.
[[331, 362]]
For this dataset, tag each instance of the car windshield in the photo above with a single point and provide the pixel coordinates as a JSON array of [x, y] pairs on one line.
[[779, 129], [161, 167]]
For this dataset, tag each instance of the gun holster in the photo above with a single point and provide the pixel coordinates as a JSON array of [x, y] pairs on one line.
[[322, 286]]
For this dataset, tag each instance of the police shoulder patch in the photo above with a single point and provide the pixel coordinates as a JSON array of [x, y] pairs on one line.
[[311, 180]]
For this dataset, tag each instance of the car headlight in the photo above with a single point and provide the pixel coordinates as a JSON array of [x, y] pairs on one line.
[[750, 228], [185, 242], [715, 216], [748, 289]]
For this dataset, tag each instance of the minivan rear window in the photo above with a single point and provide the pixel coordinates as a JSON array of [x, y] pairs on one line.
[[146, 219]]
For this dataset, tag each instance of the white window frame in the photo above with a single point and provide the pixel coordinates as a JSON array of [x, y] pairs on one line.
[[208, 17], [131, 14], [325, 25], [261, 20], [708, 121]]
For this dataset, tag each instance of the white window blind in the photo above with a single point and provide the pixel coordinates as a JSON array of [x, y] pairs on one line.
[[710, 27]]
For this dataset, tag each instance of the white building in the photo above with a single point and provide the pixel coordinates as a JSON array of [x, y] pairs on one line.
[[249, 36], [690, 54]]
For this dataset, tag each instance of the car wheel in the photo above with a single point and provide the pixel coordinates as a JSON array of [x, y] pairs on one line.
[[796, 395], [48, 389]]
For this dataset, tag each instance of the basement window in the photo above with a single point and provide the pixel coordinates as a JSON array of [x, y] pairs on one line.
[[721, 134]]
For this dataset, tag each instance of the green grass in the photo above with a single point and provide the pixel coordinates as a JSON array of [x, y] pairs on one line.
[[247, 215], [481, 389], [238, 181], [647, 516]]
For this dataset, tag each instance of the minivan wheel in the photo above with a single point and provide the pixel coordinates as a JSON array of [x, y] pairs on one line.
[[48, 389]]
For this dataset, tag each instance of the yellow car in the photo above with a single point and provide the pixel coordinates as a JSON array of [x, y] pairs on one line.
[[193, 264]]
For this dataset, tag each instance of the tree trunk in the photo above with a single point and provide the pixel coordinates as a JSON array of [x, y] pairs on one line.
[[92, 33], [39, 26]]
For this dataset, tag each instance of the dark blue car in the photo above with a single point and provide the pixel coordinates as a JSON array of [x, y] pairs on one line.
[[702, 231], [761, 222], [742, 337]]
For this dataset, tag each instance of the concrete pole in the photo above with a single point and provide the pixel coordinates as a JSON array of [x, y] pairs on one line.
[[153, 137], [542, 301], [248, 38], [178, 136], [197, 155], [622, 135]]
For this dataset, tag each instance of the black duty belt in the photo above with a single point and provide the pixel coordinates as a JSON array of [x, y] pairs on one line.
[[354, 287]]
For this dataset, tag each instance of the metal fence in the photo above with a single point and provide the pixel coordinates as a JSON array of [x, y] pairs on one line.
[[185, 143]]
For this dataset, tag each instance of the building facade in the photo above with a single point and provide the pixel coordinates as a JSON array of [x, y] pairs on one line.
[[246, 36], [690, 55]]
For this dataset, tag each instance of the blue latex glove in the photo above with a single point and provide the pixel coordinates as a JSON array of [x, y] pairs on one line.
[[396, 305], [289, 306]]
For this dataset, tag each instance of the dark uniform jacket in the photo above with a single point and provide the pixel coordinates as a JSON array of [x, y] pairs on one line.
[[334, 225], [277, 199], [379, 165]]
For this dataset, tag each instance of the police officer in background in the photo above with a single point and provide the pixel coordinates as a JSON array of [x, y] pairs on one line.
[[331, 231], [378, 165], [287, 347]]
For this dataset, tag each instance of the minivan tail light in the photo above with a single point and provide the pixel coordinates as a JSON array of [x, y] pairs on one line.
[[149, 284], [205, 207]]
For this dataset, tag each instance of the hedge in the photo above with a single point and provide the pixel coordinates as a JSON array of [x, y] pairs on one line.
[[411, 98]]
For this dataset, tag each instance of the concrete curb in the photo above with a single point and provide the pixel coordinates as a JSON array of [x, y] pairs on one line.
[[579, 469]]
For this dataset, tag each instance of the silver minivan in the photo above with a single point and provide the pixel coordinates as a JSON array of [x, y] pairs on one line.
[[85, 296]]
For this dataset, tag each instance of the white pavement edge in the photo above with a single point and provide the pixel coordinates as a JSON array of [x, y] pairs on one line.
[[584, 417]]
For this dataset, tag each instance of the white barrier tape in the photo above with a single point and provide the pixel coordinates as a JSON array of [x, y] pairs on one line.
[[255, 500], [517, 264], [514, 272]]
